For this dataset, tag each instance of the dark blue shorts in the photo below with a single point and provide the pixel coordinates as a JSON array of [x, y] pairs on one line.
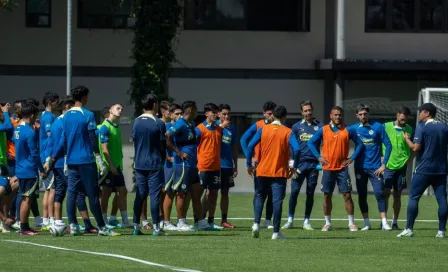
[[49, 181], [183, 178], [28, 187], [227, 178], [362, 178], [210, 179], [60, 185], [168, 173], [339, 177], [396, 179], [112, 180]]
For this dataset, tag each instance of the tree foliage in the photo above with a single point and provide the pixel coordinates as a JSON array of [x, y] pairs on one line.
[[7, 4]]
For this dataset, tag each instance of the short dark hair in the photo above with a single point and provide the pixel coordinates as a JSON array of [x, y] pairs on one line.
[[280, 112], [306, 103], [79, 92], [149, 101], [404, 110], [49, 97], [337, 108], [31, 101], [224, 107], [17, 102], [269, 106], [429, 107], [361, 107], [28, 109], [165, 105], [175, 107], [210, 107], [105, 112], [67, 101], [188, 105]]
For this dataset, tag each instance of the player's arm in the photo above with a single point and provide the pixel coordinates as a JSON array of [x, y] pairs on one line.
[[415, 146], [251, 147], [46, 123], [295, 147], [316, 140], [387, 144], [198, 135], [359, 145], [58, 152], [247, 136], [7, 124], [169, 143], [104, 140], [34, 153]]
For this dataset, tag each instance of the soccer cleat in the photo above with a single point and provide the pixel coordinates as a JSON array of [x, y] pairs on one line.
[[386, 227], [278, 236], [215, 227], [353, 227], [440, 234], [255, 231], [170, 226], [104, 231], [110, 227], [184, 228], [307, 226], [74, 230], [395, 226], [16, 226], [367, 227], [326, 228], [113, 222], [288, 225], [81, 228], [158, 233], [29, 232], [91, 231], [406, 233], [227, 225], [137, 232]]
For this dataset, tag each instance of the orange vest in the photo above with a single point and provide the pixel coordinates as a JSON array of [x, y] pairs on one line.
[[259, 124], [274, 152], [10, 147], [209, 149], [335, 147]]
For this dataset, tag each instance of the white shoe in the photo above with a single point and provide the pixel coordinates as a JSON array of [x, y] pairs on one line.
[[277, 236], [161, 224], [353, 227], [184, 228], [440, 234], [307, 226], [326, 228], [170, 226], [406, 233], [367, 227], [288, 225], [16, 225], [255, 231], [386, 227]]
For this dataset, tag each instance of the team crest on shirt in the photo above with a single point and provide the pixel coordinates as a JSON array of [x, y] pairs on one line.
[[371, 132], [316, 128]]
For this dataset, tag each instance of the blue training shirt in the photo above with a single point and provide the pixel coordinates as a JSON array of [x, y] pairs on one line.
[[432, 158], [229, 138], [56, 145], [46, 120], [373, 136], [148, 134], [169, 152], [27, 156], [184, 134], [76, 123], [303, 131]]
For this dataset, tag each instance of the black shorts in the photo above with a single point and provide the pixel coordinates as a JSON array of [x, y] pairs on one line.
[[113, 181]]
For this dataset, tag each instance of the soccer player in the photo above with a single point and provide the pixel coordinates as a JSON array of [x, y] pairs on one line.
[[51, 104], [368, 164], [430, 143], [268, 112], [8, 186], [28, 164], [81, 153], [148, 135], [112, 154], [335, 139], [273, 168], [396, 167], [176, 113], [303, 131]]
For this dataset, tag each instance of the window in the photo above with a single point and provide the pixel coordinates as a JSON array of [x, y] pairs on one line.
[[105, 14], [406, 16], [38, 13], [255, 15]]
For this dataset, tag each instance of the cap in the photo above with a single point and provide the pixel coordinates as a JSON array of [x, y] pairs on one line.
[[429, 107]]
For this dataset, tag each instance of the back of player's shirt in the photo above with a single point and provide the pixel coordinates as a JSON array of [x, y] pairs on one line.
[[148, 133], [27, 155], [432, 158], [185, 136], [46, 120], [77, 122], [303, 131]]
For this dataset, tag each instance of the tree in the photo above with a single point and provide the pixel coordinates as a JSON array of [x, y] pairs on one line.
[[7, 4]]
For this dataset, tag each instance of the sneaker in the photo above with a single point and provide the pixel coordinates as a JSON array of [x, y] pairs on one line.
[[406, 233], [386, 227], [326, 228], [288, 225], [267, 224], [395, 227], [278, 236], [113, 222], [353, 227], [74, 230], [170, 226], [6, 228], [255, 231], [38, 222], [367, 227], [110, 227], [184, 228], [29, 232], [307, 226], [215, 227], [105, 231], [227, 225], [16, 225], [440, 234], [91, 231], [137, 232], [81, 228], [158, 233]]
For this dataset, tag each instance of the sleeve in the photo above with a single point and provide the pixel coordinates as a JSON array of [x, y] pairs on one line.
[[91, 123], [34, 153], [59, 150], [7, 124], [133, 130], [316, 139], [94, 142], [295, 147], [244, 141], [104, 134], [358, 142], [198, 135], [251, 147], [47, 120], [295, 129], [50, 143], [386, 141], [418, 137], [174, 129]]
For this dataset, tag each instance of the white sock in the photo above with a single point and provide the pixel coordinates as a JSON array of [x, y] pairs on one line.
[[156, 227], [290, 219], [51, 220], [105, 218], [394, 220], [366, 221], [351, 220], [306, 221], [59, 222], [124, 217], [136, 226], [267, 222], [45, 221], [145, 222], [183, 221], [327, 220], [384, 220], [114, 217], [256, 226]]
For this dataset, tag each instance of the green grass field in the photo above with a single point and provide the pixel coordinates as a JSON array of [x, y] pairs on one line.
[[236, 250]]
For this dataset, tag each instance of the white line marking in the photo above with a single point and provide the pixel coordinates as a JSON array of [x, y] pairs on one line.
[[107, 255]]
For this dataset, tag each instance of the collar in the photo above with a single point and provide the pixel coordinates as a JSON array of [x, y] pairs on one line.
[[429, 121], [116, 125], [207, 125], [333, 125], [147, 115], [309, 123], [266, 121], [276, 123], [364, 125], [61, 116]]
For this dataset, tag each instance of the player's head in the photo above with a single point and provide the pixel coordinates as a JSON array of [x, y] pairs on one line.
[[150, 103], [427, 111], [402, 116], [211, 111], [190, 110], [306, 108], [268, 110], [31, 101], [336, 115], [115, 110], [29, 111], [175, 112], [362, 113], [280, 113], [105, 113], [17, 106], [224, 112], [51, 100], [66, 104], [165, 109], [80, 94]]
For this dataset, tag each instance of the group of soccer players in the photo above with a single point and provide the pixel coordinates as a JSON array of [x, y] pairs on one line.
[[177, 162]]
